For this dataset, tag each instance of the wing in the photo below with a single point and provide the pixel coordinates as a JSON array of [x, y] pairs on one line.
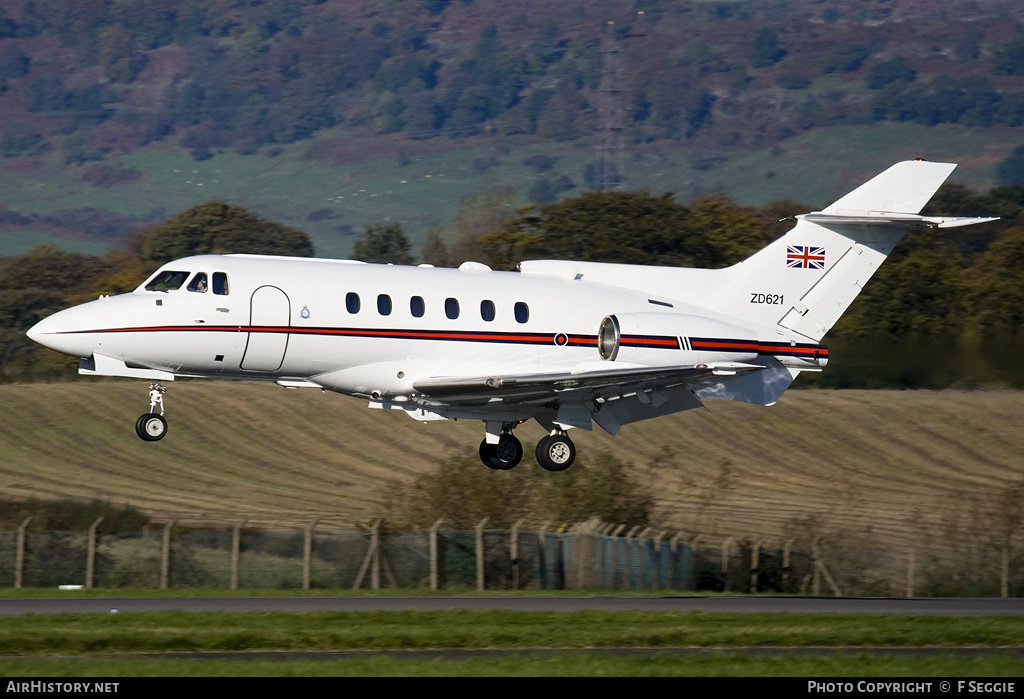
[[573, 386], [609, 397]]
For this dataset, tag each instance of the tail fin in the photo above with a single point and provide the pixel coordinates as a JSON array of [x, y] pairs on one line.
[[805, 280], [801, 283]]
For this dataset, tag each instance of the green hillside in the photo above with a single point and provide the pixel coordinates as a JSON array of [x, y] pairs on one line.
[[330, 115], [321, 189], [894, 464]]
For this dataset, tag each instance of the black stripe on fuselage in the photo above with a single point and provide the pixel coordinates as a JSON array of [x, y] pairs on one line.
[[708, 344]]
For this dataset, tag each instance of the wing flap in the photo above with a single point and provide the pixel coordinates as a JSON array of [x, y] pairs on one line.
[[572, 385]]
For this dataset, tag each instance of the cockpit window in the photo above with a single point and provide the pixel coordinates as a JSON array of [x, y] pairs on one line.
[[167, 281], [198, 283]]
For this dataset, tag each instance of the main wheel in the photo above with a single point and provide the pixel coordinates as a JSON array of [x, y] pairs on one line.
[[504, 455], [151, 427], [555, 452]]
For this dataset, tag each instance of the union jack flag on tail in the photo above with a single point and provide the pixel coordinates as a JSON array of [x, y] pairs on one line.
[[805, 257]]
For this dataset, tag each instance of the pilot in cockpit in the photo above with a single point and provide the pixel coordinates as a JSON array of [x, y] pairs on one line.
[[199, 283]]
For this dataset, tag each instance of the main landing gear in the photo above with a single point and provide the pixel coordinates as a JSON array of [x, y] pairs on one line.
[[556, 452], [152, 426], [504, 455]]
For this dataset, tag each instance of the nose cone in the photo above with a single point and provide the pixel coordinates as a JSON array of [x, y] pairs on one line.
[[65, 332]]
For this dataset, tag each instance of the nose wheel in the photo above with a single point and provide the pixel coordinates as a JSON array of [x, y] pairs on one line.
[[152, 426]]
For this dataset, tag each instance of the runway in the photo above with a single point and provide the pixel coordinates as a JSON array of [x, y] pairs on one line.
[[747, 604]]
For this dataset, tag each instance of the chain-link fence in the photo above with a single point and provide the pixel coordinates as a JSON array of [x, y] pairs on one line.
[[176, 556]]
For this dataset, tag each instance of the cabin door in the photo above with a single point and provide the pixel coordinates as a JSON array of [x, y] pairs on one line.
[[269, 320]]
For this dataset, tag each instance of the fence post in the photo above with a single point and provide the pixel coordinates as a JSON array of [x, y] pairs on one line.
[[613, 543], [911, 570], [815, 570], [90, 560], [673, 548], [433, 553], [630, 550], [375, 554], [19, 556], [561, 572], [1004, 572], [579, 556], [374, 561], [165, 556], [641, 564], [480, 553], [307, 555], [236, 553], [695, 558], [819, 571], [755, 563], [542, 557], [787, 570], [725, 563], [605, 571], [514, 554], [656, 559]]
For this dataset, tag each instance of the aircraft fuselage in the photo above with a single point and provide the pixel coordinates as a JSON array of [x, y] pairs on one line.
[[376, 329]]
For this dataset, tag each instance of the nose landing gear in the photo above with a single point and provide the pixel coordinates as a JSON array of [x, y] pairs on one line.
[[152, 426]]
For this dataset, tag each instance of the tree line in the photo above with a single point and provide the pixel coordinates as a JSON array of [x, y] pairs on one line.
[[273, 73], [957, 289], [47, 279]]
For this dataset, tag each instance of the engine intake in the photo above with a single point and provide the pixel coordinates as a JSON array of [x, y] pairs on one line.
[[673, 338]]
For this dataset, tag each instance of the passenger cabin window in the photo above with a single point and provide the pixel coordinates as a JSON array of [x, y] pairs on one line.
[[522, 312], [384, 304], [487, 310], [417, 307], [167, 281], [352, 302], [451, 308], [198, 283], [220, 283]]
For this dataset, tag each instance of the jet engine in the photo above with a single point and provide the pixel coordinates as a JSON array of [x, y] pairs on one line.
[[673, 339]]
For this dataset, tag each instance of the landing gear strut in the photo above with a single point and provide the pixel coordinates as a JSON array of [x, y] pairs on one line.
[[152, 426], [504, 455], [556, 452]]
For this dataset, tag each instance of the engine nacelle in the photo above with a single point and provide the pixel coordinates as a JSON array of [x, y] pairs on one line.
[[674, 338]]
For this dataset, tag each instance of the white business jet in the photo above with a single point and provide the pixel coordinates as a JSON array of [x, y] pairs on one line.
[[567, 344]]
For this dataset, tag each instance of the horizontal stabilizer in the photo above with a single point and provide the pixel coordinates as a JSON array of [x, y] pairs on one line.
[[904, 188], [883, 217]]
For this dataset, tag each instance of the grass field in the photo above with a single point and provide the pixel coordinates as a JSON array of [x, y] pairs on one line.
[[892, 462], [507, 643], [896, 464]]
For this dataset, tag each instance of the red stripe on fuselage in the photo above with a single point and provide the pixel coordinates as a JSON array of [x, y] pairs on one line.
[[648, 341], [769, 348], [399, 334]]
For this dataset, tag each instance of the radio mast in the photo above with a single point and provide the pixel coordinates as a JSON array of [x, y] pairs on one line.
[[608, 166]]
